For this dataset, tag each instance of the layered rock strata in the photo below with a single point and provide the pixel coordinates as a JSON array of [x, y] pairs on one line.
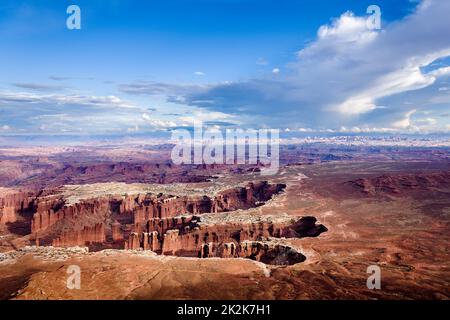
[[164, 223], [191, 238]]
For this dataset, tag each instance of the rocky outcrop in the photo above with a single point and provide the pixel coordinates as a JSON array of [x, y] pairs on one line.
[[144, 240], [116, 231], [164, 223], [153, 207], [154, 212], [51, 210], [270, 253], [46, 213], [83, 237], [191, 238], [304, 227], [12, 205], [52, 213]]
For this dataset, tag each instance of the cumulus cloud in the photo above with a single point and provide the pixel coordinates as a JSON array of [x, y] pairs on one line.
[[348, 79], [348, 76]]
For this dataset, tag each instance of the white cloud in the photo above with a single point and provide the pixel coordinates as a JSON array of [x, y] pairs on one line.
[[201, 115], [158, 123], [405, 122], [349, 76], [348, 79], [347, 29], [29, 113], [379, 63], [445, 71], [60, 99]]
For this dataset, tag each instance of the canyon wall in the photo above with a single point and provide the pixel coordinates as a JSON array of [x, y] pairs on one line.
[[85, 236], [166, 224], [190, 238], [12, 205], [51, 210], [146, 212]]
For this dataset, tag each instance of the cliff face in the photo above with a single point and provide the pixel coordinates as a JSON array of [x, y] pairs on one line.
[[85, 236], [144, 240], [165, 224], [116, 231], [15, 204], [162, 223], [150, 209], [50, 211], [190, 238]]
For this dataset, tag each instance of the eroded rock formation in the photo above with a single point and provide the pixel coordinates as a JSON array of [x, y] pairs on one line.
[[12, 205], [51, 210], [156, 208], [191, 238], [164, 223], [85, 236]]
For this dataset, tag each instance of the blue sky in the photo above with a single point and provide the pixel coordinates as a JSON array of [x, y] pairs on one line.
[[145, 66]]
